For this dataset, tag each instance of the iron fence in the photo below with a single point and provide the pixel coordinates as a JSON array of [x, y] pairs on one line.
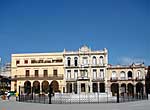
[[71, 98], [77, 96]]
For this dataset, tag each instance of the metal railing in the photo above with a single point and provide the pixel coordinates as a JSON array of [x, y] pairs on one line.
[[82, 98], [30, 77]]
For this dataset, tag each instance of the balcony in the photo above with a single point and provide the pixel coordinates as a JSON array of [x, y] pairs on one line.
[[114, 79], [84, 78], [71, 79], [139, 79], [98, 79], [40, 77], [123, 79], [130, 79], [71, 66], [98, 65]]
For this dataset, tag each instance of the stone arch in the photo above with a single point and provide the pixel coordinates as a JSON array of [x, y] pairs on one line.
[[130, 89], [123, 88], [55, 86], [114, 88], [45, 86], [139, 88], [27, 87], [36, 87]]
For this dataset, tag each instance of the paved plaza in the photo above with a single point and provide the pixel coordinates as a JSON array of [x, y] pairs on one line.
[[13, 105]]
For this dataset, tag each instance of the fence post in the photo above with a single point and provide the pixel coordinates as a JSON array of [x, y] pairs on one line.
[[19, 93], [32, 94], [146, 91], [118, 94], [50, 94]]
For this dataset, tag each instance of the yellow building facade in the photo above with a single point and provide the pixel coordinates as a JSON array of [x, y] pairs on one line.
[[38, 71], [81, 71]]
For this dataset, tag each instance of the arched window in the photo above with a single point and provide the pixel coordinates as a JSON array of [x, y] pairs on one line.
[[75, 61], [138, 74], [94, 60], [68, 61], [75, 74], [122, 75], [129, 74], [101, 60], [114, 74]]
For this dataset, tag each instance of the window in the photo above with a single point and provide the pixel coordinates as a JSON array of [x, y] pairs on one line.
[[85, 60], [69, 87], [26, 61], [27, 73], [113, 75], [33, 61], [129, 74], [54, 72], [45, 73], [138, 74], [94, 74], [84, 73], [68, 74], [82, 87], [68, 61], [102, 87], [95, 87], [75, 74], [17, 62], [122, 75], [36, 73], [101, 73], [101, 60], [75, 61], [94, 60], [40, 61]]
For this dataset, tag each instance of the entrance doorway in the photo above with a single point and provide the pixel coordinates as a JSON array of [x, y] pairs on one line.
[[82, 87]]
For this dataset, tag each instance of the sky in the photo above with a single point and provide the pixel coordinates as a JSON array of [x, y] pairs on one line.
[[33, 26]]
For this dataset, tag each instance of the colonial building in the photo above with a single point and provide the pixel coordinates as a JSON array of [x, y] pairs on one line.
[[85, 70], [37, 71], [130, 79], [81, 71]]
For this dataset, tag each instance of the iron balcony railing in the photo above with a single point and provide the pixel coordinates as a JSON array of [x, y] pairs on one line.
[[114, 79], [98, 79], [40, 77], [139, 79]]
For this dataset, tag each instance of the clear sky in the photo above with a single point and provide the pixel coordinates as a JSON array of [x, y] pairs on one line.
[[121, 26]]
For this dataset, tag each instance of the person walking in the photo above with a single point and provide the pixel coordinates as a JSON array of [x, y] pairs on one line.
[[17, 94], [8, 95]]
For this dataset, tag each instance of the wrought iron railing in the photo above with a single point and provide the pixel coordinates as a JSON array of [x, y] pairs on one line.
[[22, 77]]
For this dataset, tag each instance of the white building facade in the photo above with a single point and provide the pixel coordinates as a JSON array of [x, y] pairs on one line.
[[85, 70]]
